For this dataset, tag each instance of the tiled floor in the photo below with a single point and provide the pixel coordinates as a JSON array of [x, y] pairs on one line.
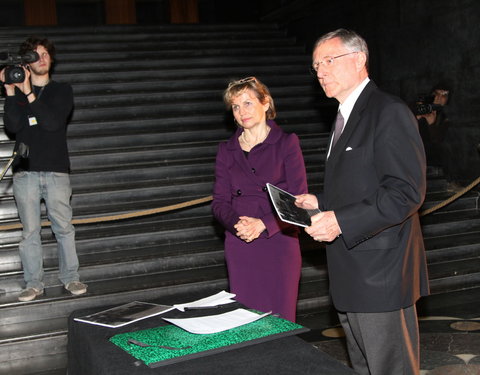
[[449, 333]]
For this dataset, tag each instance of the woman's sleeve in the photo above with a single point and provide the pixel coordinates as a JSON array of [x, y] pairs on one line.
[[222, 199], [295, 176], [295, 167]]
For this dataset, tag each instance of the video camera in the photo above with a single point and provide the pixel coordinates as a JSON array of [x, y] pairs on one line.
[[14, 65], [424, 105]]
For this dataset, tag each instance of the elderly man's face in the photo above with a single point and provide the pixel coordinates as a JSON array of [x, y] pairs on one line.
[[344, 74]]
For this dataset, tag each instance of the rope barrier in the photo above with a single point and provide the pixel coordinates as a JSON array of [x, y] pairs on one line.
[[194, 202], [452, 198], [129, 215]]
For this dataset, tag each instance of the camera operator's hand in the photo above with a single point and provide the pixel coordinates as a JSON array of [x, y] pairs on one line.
[[9, 88], [25, 86], [429, 117]]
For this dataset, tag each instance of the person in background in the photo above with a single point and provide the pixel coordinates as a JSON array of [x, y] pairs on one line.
[[262, 253], [374, 185], [36, 112], [438, 136]]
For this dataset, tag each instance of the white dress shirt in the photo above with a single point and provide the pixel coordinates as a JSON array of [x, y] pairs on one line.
[[346, 107]]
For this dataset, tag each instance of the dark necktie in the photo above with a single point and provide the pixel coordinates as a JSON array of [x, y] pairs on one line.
[[339, 122]]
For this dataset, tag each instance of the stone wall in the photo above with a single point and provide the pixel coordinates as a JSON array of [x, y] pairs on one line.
[[413, 45]]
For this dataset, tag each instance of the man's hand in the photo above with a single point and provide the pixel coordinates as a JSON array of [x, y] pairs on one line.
[[324, 227], [249, 228], [306, 201], [430, 117], [24, 86], [9, 88]]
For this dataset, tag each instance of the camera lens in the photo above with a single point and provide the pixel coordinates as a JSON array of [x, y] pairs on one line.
[[14, 74]]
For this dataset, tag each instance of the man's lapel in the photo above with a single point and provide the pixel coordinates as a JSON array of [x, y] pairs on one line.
[[352, 123]]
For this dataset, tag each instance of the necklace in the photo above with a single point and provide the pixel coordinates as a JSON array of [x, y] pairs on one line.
[[244, 139]]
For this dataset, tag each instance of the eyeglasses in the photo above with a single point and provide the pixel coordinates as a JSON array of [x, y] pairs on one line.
[[242, 81], [327, 62]]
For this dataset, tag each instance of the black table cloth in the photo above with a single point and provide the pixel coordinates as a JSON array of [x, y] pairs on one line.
[[91, 353]]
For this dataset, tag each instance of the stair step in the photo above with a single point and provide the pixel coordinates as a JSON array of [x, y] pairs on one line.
[[107, 292], [466, 266], [444, 248], [43, 353], [450, 222]]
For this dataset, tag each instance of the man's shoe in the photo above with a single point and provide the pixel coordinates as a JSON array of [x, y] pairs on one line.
[[76, 287], [29, 294]]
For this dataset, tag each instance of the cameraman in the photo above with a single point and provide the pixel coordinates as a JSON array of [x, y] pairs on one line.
[[434, 127], [36, 112]]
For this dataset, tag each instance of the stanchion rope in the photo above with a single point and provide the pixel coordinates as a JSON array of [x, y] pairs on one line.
[[452, 198], [128, 215], [194, 202]]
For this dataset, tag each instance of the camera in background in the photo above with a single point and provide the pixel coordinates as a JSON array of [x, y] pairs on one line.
[[424, 105]]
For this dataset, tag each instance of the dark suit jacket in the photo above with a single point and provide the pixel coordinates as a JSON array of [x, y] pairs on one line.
[[375, 183]]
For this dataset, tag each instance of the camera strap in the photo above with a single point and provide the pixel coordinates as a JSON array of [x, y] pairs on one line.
[[40, 91]]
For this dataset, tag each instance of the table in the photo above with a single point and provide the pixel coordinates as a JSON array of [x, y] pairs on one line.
[[90, 352]]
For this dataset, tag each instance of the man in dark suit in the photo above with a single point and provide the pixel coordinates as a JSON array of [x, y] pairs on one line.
[[374, 185]]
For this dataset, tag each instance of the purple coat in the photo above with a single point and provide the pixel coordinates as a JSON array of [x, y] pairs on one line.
[[264, 274]]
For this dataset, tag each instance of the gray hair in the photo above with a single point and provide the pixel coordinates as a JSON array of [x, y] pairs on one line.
[[350, 39]]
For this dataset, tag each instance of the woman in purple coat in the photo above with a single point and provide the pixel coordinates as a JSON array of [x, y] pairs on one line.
[[262, 253]]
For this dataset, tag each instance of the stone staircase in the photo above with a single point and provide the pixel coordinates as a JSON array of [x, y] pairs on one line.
[[147, 121]]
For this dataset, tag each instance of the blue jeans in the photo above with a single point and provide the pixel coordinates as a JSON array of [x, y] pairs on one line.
[[29, 188]]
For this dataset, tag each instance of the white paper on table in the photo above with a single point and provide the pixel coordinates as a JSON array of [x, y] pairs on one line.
[[217, 323], [221, 298]]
